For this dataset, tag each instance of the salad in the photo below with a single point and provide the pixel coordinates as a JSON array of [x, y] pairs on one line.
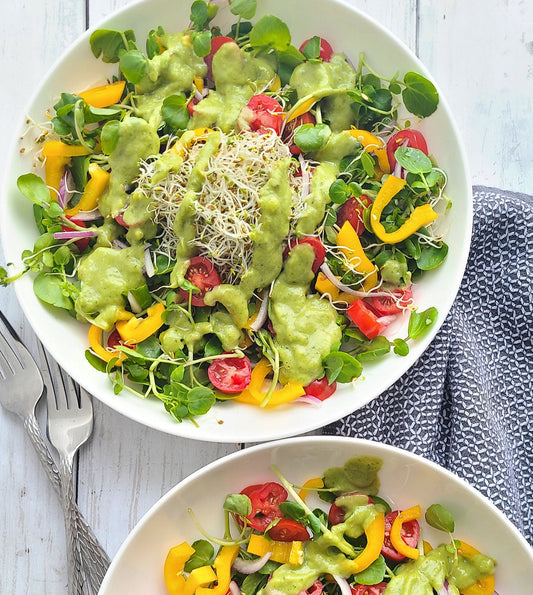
[[335, 535], [234, 216]]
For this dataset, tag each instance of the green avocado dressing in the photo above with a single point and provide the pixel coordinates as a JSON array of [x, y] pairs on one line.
[[136, 140], [323, 176], [101, 296], [169, 73], [305, 325], [233, 70]]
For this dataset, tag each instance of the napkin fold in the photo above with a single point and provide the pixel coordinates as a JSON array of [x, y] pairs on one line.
[[467, 404]]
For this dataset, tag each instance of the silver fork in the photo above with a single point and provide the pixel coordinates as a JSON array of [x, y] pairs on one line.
[[21, 387]]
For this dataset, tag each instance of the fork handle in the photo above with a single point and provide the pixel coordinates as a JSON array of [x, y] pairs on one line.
[[93, 555]]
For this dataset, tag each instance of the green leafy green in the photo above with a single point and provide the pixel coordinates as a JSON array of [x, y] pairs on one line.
[[174, 111], [421, 322], [270, 33], [419, 95], [108, 43], [439, 517]]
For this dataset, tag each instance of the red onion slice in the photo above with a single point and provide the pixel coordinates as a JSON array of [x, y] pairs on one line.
[[88, 215], [251, 566], [73, 235], [234, 588], [343, 584], [309, 400], [148, 263], [262, 314], [63, 193]]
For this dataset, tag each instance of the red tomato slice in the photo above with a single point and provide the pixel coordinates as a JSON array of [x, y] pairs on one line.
[[364, 319], [265, 499], [352, 211], [369, 589], [326, 51], [321, 389], [315, 243], [288, 530], [190, 106], [412, 138], [336, 512], [231, 374], [202, 274], [410, 533], [386, 306], [290, 128], [267, 114], [216, 44], [316, 588], [82, 243]]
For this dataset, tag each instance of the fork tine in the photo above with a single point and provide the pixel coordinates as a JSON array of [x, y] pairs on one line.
[[10, 354]]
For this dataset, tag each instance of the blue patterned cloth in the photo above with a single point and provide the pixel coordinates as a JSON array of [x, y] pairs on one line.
[[467, 404]]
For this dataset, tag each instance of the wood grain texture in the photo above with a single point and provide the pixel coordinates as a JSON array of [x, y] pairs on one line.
[[481, 54]]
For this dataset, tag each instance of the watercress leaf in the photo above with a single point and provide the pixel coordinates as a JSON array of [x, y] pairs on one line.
[[432, 256], [142, 296], [342, 367], [288, 60], [133, 65], [43, 241], [34, 188], [95, 361], [174, 111], [243, 8], [254, 582], [201, 43], [62, 256], [420, 322], [368, 164], [413, 160], [378, 347], [150, 347], [200, 400], [109, 136], [238, 504], [203, 555], [199, 14], [269, 33], [420, 96], [293, 511], [107, 43], [312, 48], [401, 347], [79, 167], [395, 88], [177, 374], [152, 44], [338, 192], [311, 137], [439, 517], [213, 347], [48, 288], [373, 574]]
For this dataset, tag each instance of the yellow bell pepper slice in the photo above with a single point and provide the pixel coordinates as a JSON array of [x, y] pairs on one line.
[[222, 565], [93, 190], [373, 144], [57, 156], [375, 536], [104, 95], [410, 514], [173, 567], [483, 586], [285, 552], [324, 286], [253, 394], [314, 482], [187, 140], [136, 330], [95, 341], [199, 577], [420, 217], [350, 245], [301, 109]]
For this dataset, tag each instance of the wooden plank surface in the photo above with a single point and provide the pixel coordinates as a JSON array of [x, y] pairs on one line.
[[481, 54]]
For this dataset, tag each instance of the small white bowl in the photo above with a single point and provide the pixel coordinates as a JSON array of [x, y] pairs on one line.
[[406, 479], [349, 31]]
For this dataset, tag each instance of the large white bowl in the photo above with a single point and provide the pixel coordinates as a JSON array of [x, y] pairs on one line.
[[406, 480], [349, 31]]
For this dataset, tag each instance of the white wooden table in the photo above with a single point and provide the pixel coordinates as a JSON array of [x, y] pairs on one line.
[[480, 52]]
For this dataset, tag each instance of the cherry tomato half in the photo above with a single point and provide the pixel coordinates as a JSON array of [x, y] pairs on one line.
[[326, 51], [290, 128], [216, 44], [352, 211], [336, 512], [288, 530], [316, 244], [321, 388], [410, 533], [369, 589], [411, 138], [202, 274], [267, 114], [265, 499], [386, 306], [364, 319], [231, 374]]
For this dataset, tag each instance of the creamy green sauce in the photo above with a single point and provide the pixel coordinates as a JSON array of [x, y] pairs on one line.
[[136, 140], [102, 295], [323, 176], [305, 325], [233, 70]]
